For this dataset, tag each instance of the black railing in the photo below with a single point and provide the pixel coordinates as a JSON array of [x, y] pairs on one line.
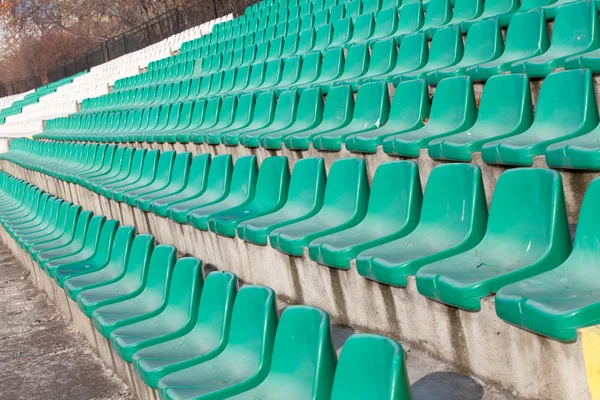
[[22, 86]]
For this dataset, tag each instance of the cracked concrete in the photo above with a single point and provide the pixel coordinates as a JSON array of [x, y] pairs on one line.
[[41, 355]]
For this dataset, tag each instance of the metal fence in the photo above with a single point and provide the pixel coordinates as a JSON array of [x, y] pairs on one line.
[[24, 85], [155, 30]]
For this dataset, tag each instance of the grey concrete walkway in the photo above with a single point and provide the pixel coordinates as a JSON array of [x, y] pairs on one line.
[[41, 355]]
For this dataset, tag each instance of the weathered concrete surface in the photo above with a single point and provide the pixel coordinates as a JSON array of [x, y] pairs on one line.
[[477, 344], [41, 354]]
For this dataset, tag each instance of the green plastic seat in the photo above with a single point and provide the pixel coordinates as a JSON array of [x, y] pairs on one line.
[[137, 181], [452, 110], [527, 234], [207, 338], [355, 66], [96, 246], [158, 181], [393, 212], [305, 198], [466, 10], [145, 304], [566, 108], [244, 362], [484, 43], [526, 37], [410, 107], [445, 51], [410, 20], [239, 118], [109, 269], [283, 118], [271, 191], [243, 189], [67, 216], [177, 180], [70, 242], [344, 206], [371, 366], [411, 55], [337, 113], [178, 316], [216, 188], [439, 13], [453, 220], [575, 31], [370, 111], [127, 286], [134, 170], [262, 118], [192, 186], [504, 110], [558, 302], [383, 60], [308, 116], [304, 358]]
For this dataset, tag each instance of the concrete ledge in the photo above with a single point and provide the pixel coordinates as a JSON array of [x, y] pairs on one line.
[[479, 344]]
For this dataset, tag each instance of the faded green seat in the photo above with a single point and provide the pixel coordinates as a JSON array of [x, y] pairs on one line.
[[344, 206], [113, 269], [70, 242], [566, 108], [155, 182], [243, 363], [439, 13], [559, 302], [453, 220], [128, 174], [355, 66], [239, 193], [216, 188], [139, 178], [446, 50], [308, 116], [370, 111], [303, 361], [337, 113], [412, 55], [191, 184], [283, 118], [262, 118], [304, 200], [271, 192], [150, 301], [484, 43], [526, 37], [207, 337], [527, 234], [96, 246], [66, 217], [466, 10], [229, 113], [575, 31], [452, 110], [178, 316], [127, 286], [382, 61], [371, 367], [410, 107], [505, 109], [176, 181], [393, 212]]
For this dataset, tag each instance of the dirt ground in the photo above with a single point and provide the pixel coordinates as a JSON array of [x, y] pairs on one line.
[[41, 355]]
